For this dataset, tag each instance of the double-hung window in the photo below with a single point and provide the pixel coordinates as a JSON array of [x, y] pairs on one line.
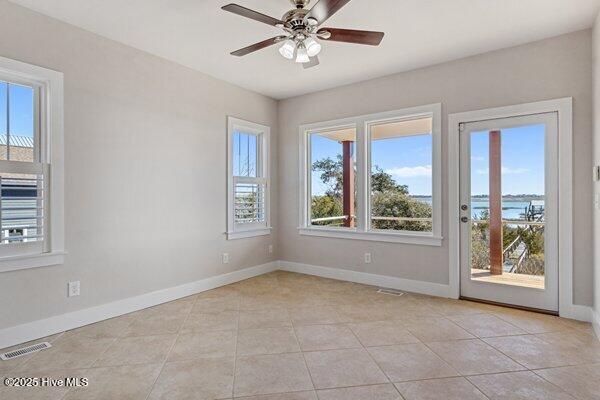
[[248, 179], [31, 228], [373, 177]]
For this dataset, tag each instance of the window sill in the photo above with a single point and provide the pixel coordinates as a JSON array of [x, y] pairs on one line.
[[248, 234], [15, 263], [419, 239]]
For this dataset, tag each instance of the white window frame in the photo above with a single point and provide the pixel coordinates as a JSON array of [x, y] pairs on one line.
[[262, 132], [363, 177], [50, 137]]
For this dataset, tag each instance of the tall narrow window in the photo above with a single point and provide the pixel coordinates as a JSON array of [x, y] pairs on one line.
[[401, 175], [23, 174], [248, 213], [31, 166]]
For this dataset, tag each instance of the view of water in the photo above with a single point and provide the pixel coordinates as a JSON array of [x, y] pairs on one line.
[[511, 209]]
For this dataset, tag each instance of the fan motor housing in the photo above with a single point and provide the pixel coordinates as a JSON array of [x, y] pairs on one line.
[[294, 19], [299, 3]]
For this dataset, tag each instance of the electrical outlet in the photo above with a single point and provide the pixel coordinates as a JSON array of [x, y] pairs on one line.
[[225, 258], [270, 249], [73, 289], [368, 258]]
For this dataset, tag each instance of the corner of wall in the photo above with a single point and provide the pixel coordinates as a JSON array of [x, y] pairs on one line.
[[596, 162], [596, 321]]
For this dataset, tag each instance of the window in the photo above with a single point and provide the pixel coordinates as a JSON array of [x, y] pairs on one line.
[[248, 176], [30, 166], [333, 177], [401, 178], [373, 177]]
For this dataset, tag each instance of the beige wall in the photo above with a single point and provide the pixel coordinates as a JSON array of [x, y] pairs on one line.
[[596, 161], [553, 68], [145, 151], [146, 162]]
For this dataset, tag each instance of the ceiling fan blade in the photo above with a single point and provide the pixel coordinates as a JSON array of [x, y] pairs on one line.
[[352, 36], [314, 61], [256, 46], [248, 13], [325, 9]]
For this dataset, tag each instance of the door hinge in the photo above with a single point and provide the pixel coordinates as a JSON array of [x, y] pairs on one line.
[[461, 127]]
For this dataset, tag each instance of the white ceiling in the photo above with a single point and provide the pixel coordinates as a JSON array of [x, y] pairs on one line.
[[198, 34]]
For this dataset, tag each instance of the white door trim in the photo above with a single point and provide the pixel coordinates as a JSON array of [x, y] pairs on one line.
[[547, 297], [564, 108]]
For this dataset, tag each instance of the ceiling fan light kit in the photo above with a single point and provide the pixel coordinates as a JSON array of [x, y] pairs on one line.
[[312, 46], [287, 49], [302, 54], [301, 27]]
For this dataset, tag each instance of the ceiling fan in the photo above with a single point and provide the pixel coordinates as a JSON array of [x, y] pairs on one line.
[[302, 30]]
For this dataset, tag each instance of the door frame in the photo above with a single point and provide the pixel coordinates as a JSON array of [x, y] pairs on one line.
[[545, 298], [564, 108]]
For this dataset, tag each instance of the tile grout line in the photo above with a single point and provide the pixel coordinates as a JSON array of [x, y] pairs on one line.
[[513, 372], [552, 383], [288, 306], [365, 349], [25, 363], [92, 366], [235, 355], [164, 362], [115, 339], [487, 373], [312, 381]]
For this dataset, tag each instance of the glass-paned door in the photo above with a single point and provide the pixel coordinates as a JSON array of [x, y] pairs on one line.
[[509, 201]]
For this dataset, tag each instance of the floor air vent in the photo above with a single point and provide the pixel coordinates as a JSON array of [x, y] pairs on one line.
[[391, 292], [24, 351]]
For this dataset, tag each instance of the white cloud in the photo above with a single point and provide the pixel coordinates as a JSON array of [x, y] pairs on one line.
[[410, 172], [505, 171]]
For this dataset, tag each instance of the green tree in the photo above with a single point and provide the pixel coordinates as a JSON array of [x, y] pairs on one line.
[[531, 237], [382, 182], [389, 199], [326, 206], [332, 174]]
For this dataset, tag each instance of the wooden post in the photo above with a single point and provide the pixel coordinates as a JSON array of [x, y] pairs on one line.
[[348, 183], [495, 203]]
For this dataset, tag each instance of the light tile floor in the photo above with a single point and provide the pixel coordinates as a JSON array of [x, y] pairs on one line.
[[285, 336]]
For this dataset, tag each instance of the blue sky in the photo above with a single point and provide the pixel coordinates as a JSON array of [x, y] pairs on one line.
[[21, 109], [522, 161], [244, 154], [409, 159]]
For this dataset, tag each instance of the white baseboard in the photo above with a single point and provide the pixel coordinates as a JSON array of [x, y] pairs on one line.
[[575, 311], [60, 323], [578, 312], [433, 289], [596, 322], [38, 329]]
